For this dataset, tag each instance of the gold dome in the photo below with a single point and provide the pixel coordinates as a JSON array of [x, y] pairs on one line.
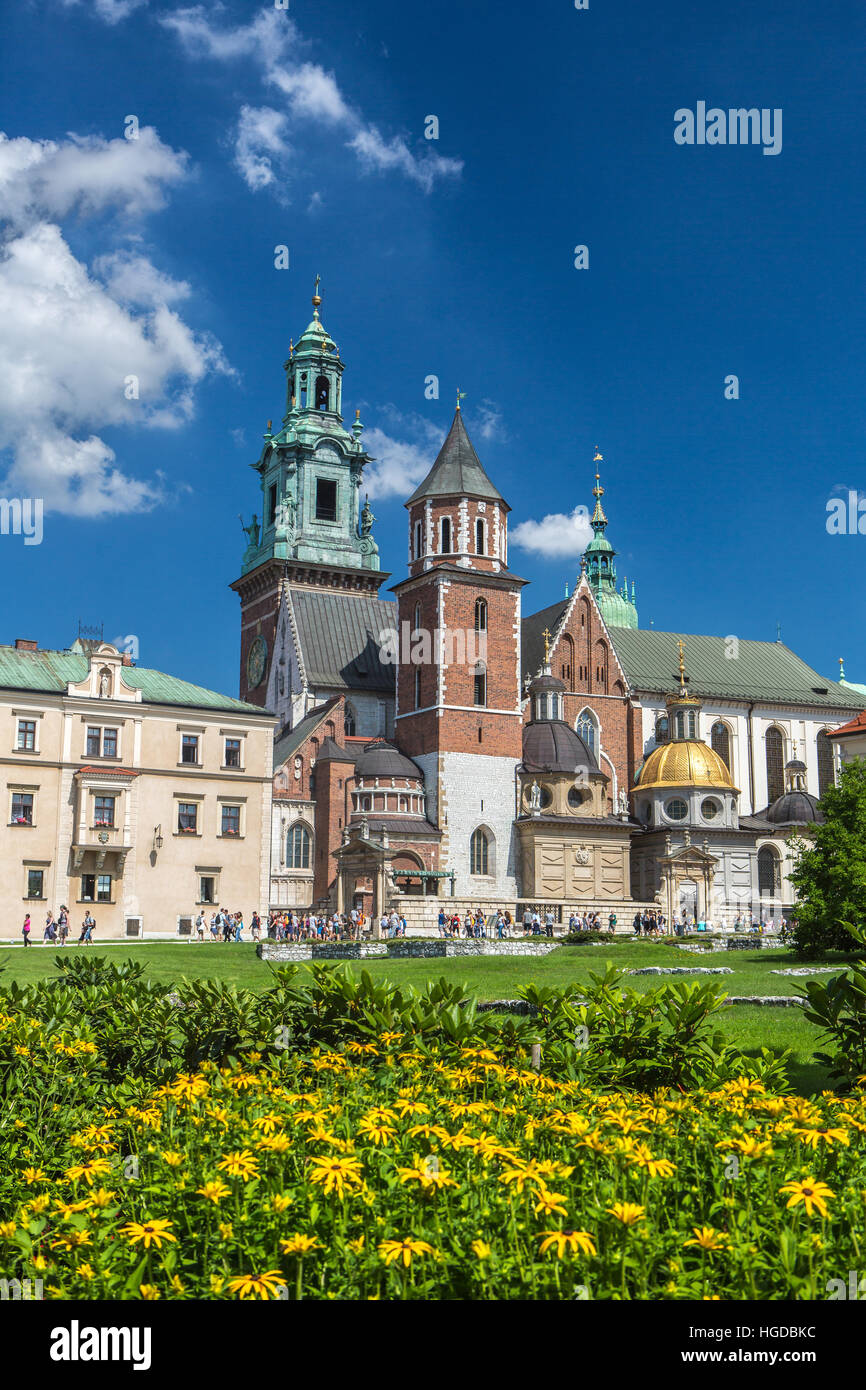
[[685, 763]]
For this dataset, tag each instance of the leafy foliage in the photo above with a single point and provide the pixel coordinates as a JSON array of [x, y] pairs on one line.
[[830, 870]]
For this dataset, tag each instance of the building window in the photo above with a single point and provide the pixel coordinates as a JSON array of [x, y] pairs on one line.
[[769, 873], [775, 755], [206, 890], [480, 548], [35, 883], [326, 499], [96, 888], [94, 743], [103, 811], [677, 809], [480, 615], [419, 540], [187, 817], [101, 743], [349, 723], [233, 752], [109, 743], [479, 853], [416, 618], [323, 393], [27, 735], [825, 763], [720, 741], [710, 808], [417, 687], [480, 684], [663, 729], [189, 748], [302, 384], [685, 724], [272, 504], [231, 820], [588, 730], [298, 848], [445, 535], [22, 808]]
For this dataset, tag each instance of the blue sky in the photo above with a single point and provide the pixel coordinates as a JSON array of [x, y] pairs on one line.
[[454, 257]]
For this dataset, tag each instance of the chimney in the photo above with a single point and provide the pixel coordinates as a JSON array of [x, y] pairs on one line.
[[26, 644]]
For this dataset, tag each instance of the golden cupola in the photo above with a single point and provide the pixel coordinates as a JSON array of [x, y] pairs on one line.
[[685, 761]]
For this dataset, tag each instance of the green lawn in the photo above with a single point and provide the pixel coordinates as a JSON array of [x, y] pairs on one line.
[[500, 978]]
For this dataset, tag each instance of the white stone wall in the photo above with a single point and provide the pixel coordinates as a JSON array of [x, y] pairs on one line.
[[290, 887], [476, 790]]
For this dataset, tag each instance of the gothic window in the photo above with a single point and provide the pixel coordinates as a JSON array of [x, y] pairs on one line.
[[480, 548], [326, 499], [417, 687], [662, 729], [419, 540], [445, 534], [349, 721], [566, 670], [479, 852], [720, 741], [601, 666], [769, 872], [587, 727], [416, 623], [480, 615], [323, 393], [480, 684], [825, 762], [775, 756], [298, 848]]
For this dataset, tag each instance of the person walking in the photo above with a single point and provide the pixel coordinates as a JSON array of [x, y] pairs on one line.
[[25, 930], [200, 925], [239, 926], [63, 925], [50, 931], [87, 929], [255, 926], [611, 922]]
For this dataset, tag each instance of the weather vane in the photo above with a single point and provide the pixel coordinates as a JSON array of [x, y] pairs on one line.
[[461, 395]]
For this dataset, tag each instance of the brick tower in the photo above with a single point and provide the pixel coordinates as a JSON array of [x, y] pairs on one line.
[[458, 670]]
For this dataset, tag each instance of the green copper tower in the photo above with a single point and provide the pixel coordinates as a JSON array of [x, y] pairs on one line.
[[310, 470], [617, 609]]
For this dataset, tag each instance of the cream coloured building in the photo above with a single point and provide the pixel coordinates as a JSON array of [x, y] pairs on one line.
[[129, 793]]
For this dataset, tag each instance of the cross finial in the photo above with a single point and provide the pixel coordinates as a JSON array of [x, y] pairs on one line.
[[460, 396], [546, 635]]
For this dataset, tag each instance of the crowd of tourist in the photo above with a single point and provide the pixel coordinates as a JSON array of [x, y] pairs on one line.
[[56, 929]]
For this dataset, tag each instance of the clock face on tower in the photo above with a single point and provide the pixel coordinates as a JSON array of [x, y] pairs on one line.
[[257, 660]]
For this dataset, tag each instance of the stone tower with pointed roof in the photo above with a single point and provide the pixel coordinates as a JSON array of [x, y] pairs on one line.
[[458, 684], [307, 535], [618, 610]]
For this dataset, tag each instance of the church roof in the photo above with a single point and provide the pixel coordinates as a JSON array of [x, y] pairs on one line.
[[762, 671], [457, 471], [340, 638], [289, 740], [532, 634]]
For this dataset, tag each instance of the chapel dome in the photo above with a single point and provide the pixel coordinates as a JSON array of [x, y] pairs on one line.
[[794, 808], [685, 763], [551, 745], [382, 759]]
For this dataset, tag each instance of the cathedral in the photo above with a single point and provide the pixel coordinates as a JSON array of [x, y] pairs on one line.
[[436, 747]]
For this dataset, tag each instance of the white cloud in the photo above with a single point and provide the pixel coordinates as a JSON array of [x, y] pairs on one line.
[[555, 535], [110, 11], [311, 92], [41, 178], [83, 350], [490, 422], [399, 465], [258, 138]]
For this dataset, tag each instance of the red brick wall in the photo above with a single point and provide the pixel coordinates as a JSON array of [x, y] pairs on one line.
[[450, 507], [331, 812], [260, 608]]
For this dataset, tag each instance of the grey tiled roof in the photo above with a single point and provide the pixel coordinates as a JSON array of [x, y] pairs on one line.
[[532, 641], [339, 639], [286, 742], [457, 471]]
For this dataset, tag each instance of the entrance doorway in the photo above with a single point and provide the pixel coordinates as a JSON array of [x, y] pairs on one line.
[[689, 899]]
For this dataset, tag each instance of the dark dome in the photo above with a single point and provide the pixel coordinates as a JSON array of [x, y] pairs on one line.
[[551, 745], [381, 759], [794, 808], [546, 683], [795, 766]]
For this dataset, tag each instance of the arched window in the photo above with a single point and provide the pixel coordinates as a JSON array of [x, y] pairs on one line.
[[480, 548], [685, 723], [323, 393], [566, 669], [587, 727], [480, 690], [416, 618], [720, 741], [769, 872], [349, 721], [601, 666], [541, 706], [479, 852], [302, 394], [298, 848], [825, 762], [419, 540], [445, 535], [480, 615], [775, 756], [663, 729]]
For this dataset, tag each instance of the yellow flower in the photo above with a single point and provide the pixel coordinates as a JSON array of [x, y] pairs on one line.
[[149, 1292], [573, 1242], [85, 1270], [412, 1107], [281, 1202], [627, 1212], [275, 1143], [708, 1239], [177, 1284], [336, 1173], [550, 1203], [403, 1250], [213, 1191], [268, 1123], [299, 1245], [102, 1197], [8, 1229], [378, 1132], [810, 1192], [240, 1164], [814, 1135], [149, 1232], [357, 1245], [173, 1158], [93, 1168], [217, 1283], [656, 1167], [264, 1286], [33, 1175], [226, 1229], [480, 1249]]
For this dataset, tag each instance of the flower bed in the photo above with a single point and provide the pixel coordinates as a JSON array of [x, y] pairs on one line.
[[380, 1171]]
